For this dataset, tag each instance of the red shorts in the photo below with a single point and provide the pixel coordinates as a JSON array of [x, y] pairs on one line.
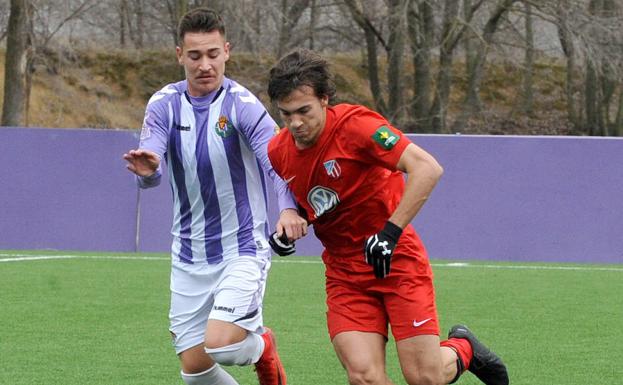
[[405, 300]]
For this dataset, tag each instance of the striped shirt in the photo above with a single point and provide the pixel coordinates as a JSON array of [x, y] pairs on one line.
[[215, 148]]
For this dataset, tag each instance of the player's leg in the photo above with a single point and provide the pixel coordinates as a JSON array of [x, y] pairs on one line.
[[235, 334], [229, 344], [194, 372], [409, 299], [190, 291], [423, 362], [479, 359], [362, 354], [358, 329]]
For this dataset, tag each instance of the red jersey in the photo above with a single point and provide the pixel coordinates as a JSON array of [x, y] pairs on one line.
[[347, 183]]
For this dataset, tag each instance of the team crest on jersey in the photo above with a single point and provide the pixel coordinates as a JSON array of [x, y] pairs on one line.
[[322, 200], [333, 168], [385, 137], [223, 127]]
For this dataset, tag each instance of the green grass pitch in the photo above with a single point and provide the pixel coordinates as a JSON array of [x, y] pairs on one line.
[[102, 319]]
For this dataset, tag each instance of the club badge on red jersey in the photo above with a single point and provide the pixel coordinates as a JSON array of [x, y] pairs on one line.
[[385, 137], [332, 168]]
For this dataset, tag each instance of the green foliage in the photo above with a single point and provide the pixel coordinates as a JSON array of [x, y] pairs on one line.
[[102, 319]]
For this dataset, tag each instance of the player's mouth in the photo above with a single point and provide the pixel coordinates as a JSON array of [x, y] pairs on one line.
[[205, 77], [300, 132]]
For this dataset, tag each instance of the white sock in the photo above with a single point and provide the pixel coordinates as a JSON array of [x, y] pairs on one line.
[[213, 376]]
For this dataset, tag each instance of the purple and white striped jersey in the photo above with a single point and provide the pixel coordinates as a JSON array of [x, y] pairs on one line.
[[215, 149]]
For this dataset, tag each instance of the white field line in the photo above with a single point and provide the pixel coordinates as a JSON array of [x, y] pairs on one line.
[[8, 257]]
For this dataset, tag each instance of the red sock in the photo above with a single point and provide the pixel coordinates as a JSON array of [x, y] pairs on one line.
[[462, 348]]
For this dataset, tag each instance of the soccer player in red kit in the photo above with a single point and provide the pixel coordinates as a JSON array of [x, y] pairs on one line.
[[344, 164]]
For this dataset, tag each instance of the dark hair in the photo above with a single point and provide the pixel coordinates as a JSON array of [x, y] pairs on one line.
[[200, 20], [300, 67]]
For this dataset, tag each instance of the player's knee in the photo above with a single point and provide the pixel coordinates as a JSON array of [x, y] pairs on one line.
[[424, 377], [244, 352], [227, 355], [365, 376]]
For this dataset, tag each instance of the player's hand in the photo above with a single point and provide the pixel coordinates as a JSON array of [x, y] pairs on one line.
[[281, 245], [142, 162], [380, 247]]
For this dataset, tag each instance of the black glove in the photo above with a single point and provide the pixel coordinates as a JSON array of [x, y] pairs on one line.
[[281, 245], [380, 247]]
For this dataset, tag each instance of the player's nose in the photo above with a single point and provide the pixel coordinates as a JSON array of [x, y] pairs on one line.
[[296, 122]]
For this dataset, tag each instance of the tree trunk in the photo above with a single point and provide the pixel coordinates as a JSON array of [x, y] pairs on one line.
[[449, 38], [395, 55], [421, 27], [568, 48], [591, 88], [139, 31], [123, 22], [528, 95], [371, 37], [18, 51], [290, 17], [617, 128], [472, 103], [312, 23], [469, 38]]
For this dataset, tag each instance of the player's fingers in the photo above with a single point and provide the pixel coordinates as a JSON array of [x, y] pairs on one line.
[[280, 229], [293, 232], [378, 267]]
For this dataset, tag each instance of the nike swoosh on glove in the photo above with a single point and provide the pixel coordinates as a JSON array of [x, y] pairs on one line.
[[281, 245]]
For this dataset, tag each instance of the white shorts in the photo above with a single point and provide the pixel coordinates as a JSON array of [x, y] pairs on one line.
[[230, 291]]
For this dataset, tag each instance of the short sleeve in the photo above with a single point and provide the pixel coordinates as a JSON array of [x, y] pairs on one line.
[[374, 138]]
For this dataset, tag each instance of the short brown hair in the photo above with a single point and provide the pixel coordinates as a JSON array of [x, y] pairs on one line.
[[200, 20], [301, 67]]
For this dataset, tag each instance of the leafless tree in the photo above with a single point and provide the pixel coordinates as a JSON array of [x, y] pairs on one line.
[[18, 53], [372, 38], [472, 102], [592, 41], [4, 19], [290, 13], [527, 102], [450, 36]]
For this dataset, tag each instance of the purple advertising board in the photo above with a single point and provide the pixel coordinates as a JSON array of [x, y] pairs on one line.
[[553, 199]]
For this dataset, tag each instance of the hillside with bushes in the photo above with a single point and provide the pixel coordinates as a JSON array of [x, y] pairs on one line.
[[109, 90]]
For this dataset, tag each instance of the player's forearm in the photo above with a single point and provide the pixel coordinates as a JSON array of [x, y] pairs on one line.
[[421, 181]]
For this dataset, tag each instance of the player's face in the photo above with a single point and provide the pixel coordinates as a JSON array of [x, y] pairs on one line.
[[203, 55], [304, 114]]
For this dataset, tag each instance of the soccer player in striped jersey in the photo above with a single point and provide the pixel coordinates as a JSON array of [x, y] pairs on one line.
[[213, 134]]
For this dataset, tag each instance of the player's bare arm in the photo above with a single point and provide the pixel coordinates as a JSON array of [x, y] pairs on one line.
[[423, 172], [142, 162]]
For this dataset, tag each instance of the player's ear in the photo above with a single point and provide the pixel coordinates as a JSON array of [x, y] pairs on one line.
[[178, 53], [324, 101]]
